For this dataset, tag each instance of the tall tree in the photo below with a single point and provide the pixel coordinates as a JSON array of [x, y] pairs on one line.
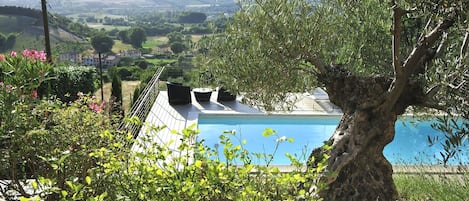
[[102, 44], [137, 36], [177, 47], [116, 97], [124, 36], [175, 37], [373, 74]]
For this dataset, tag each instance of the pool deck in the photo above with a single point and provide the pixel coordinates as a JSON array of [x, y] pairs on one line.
[[175, 118]]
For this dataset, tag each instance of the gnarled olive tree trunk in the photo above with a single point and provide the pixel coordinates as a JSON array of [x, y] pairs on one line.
[[357, 168]]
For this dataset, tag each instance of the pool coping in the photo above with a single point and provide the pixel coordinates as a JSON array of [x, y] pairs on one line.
[[177, 118]]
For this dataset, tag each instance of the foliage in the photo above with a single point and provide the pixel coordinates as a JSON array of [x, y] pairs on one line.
[[123, 35], [129, 72], [102, 43], [163, 29], [137, 91], [76, 154], [67, 81], [175, 37], [59, 147], [442, 187], [191, 17], [354, 36], [198, 29], [26, 70], [192, 172], [348, 48], [171, 72], [177, 47], [116, 96], [455, 139], [20, 77], [137, 36], [7, 42]]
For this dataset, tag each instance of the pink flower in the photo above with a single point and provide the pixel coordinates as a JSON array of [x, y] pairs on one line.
[[96, 108], [34, 94], [2, 57], [2, 84], [13, 54], [42, 55], [9, 88], [33, 54], [26, 53]]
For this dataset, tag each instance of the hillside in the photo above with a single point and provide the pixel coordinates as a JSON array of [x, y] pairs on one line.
[[30, 32], [121, 7]]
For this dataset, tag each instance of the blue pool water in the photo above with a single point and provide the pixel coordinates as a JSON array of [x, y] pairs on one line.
[[410, 145]]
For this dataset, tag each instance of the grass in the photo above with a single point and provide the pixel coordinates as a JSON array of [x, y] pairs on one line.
[[441, 186], [128, 88], [118, 45], [432, 187], [107, 27], [161, 62], [153, 42]]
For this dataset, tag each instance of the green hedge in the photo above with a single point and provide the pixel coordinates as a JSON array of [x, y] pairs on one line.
[[67, 81]]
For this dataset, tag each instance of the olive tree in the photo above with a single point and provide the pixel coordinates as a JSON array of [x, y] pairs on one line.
[[375, 59]]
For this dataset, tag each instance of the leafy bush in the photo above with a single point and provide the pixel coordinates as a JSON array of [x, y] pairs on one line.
[[129, 72], [171, 72], [56, 151], [156, 172], [68, 81]]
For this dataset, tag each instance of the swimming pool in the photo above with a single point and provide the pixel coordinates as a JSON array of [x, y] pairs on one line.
[[410, 145]]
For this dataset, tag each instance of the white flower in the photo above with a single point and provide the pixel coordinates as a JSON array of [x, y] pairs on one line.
[[281, 139]]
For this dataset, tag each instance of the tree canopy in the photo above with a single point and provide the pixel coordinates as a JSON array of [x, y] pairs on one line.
[[376, 60], [192, 17], [102, 43], [137, 36], [354, 35]]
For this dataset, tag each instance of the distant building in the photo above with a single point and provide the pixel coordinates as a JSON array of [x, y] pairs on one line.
[[163, 49], [133, 54], [70, 57], [108, 60], [90, 60]]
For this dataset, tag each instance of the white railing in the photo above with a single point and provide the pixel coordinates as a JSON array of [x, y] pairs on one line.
[[143, 104]]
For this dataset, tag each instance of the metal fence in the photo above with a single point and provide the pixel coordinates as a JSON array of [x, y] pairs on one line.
[[143, 104]]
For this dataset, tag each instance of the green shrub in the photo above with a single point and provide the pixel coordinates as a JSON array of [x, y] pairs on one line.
[[55, 151], [116, 98], [67, 81], [77, 155], [191, 172], [129, 72], [171, 72], [72, 151]]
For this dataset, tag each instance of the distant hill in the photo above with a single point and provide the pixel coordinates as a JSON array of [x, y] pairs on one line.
[[122, 7], [27, 25]]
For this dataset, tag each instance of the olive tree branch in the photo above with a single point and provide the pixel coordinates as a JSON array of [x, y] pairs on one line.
[[415, 59], [398, 12]]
